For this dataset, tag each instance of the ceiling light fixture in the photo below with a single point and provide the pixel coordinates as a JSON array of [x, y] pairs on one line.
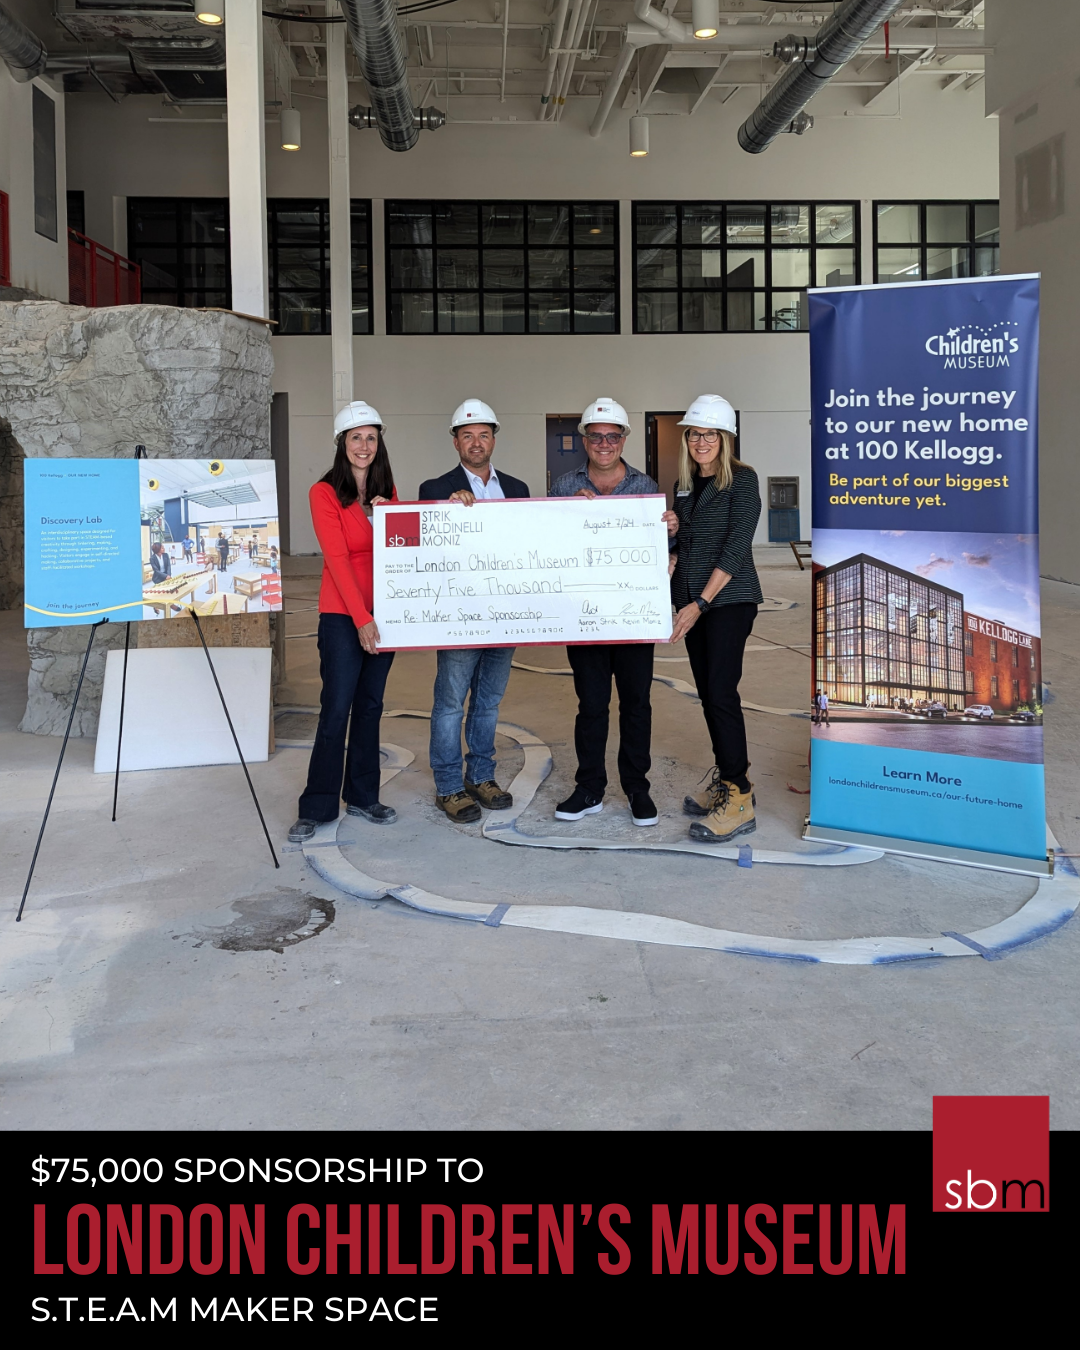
[[639, 136], [290, 129], [705, 18], [211, 17]]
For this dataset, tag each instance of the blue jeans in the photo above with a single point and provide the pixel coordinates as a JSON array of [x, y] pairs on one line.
[[482, 673], [352, 699]]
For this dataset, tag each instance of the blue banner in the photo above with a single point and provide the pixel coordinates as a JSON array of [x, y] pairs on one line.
[[927, 678]]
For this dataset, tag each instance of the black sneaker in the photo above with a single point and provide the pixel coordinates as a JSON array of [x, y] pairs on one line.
[[303, 829], [579, 803], [643, 809], [376, 813]]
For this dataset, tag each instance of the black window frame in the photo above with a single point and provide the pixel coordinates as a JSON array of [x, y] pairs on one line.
[[971, 243], [768, 246], [527, 290], [184, 294], [360, 209]]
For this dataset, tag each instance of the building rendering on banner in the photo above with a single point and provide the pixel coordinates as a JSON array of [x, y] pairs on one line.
[[882, 634], [1002, 667]]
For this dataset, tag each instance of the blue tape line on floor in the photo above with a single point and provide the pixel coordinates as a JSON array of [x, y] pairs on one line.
[[746, 856], [496, 916], [975, 946]]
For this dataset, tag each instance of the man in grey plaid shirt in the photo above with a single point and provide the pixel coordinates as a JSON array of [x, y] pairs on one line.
[[604, 428]]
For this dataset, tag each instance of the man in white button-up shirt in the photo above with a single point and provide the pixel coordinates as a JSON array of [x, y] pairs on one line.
[[479, 673]]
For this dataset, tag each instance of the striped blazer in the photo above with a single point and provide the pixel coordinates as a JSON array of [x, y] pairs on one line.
[[717, 531]]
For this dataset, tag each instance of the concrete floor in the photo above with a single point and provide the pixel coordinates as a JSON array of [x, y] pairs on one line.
[[143, 988]]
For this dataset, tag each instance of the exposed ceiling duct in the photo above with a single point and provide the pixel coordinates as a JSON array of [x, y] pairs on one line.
[[22, 50], [377, 40], [426, 119], [837, 41]]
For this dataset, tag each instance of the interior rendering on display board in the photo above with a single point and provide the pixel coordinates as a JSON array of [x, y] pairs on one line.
[[809, 271], [210, 537]]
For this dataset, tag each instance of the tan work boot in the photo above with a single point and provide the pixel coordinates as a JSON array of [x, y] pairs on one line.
[[460, 807], [489, 794], [732, 815], [704, 802]]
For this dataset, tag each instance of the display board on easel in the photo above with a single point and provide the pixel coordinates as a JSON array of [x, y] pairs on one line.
[[143, 539], [149, 539]]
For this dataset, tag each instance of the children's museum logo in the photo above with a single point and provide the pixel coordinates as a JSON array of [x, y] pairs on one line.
[[971, 345], [992, 1154], [403, 529]]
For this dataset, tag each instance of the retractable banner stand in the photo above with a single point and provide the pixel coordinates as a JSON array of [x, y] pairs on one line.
[[926, 571]]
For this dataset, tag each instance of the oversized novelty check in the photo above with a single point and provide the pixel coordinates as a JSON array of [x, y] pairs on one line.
[[514, 573]]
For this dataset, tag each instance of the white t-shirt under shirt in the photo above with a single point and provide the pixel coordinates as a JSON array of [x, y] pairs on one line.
[[491, 491]]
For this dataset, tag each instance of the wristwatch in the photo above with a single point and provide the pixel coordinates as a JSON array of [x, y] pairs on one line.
[[701, 603]]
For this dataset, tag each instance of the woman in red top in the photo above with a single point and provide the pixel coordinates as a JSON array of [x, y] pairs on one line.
[[353, 670]]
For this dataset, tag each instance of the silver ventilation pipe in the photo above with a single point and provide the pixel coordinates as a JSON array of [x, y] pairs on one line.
[[376, 39], [425, 119], [21, 50], [836, 42]]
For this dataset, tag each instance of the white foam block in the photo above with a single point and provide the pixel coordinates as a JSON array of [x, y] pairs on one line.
[[172, 712]]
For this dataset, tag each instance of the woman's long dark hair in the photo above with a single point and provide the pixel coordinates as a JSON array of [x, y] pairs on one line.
[[380, 477]]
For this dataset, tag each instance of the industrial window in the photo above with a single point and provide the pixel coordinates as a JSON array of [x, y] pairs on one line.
[[299, 256], [969, 645], [969, 681], [930, 241], [993, 649], [1016, 656], [993, 686], [713, 267], [182, 246], [502, 267]]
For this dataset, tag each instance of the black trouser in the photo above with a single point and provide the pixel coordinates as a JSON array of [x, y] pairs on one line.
[[715, 648], [631, 664], [352, 684]]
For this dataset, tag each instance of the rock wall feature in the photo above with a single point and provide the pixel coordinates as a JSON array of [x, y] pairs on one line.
[[187, 384]]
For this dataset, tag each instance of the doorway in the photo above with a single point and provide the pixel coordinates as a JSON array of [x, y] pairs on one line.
[[565, 448]]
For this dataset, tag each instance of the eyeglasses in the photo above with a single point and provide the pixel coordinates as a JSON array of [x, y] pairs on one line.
[[703, 437], [613, 439]]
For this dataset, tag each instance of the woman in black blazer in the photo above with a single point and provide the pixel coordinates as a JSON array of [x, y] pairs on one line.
[[716, 592]]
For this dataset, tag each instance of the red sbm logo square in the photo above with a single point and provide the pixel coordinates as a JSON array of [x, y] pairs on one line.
[[992, 1154], [403, 529]]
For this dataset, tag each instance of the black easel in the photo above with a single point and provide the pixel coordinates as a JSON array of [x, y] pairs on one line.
[[120, 730], [140, 453], [236, 739], [48, 805]]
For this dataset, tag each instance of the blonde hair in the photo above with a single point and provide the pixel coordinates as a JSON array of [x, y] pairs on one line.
[[723, 467]]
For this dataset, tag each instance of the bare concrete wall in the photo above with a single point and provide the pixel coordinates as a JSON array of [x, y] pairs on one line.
[[1031, 83], [97, 382]]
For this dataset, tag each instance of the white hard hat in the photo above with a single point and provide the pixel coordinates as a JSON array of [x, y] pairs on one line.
[[358, 414], [604, 410], [474, 410], [710, 410]]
